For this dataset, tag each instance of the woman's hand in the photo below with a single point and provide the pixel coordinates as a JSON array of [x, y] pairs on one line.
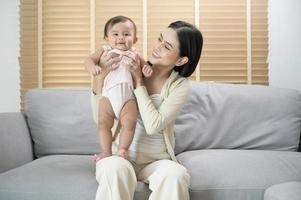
[[134, 67], [100, 62], [107, 60]]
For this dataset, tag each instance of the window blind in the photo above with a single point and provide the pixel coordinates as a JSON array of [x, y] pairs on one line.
[[28, 58], [66, 43], [259, 42], [223, 24], [71, 29]]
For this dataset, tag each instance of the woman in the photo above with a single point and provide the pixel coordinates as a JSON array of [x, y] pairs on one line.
[[160, 98]]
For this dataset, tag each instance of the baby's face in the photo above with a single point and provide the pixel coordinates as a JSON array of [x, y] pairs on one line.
[[121, 36]]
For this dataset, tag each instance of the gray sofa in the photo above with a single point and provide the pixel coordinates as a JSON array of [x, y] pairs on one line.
[[238, 142]]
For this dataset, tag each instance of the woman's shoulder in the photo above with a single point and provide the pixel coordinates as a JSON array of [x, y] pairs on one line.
[[179, 83], [178, 80]]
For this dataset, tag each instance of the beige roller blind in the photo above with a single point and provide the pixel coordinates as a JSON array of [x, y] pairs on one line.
[[105, 9], [259, 41], [223, 24], [66, 42], [28, 46], [161, 13]]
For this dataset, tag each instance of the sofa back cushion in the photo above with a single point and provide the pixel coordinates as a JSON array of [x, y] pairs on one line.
[[60, 121], [228, 116], [214, 116]]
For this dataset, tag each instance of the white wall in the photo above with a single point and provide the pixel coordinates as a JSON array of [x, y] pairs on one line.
[[9, 51], [285, 43]]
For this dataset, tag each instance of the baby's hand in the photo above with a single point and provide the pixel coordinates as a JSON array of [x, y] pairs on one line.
[[100, 156], [147, 71]]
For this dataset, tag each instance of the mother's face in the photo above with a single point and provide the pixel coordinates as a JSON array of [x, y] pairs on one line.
[[166, 50]]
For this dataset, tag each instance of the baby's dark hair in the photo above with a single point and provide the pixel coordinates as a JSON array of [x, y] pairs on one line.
[[114, 20], [191, 44]]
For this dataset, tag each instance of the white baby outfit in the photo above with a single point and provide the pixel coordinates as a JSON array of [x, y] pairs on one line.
[[118, 84]]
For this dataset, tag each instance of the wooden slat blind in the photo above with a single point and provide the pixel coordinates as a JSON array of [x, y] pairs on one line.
[[66, 42], [223, 24], [259, 41], [69, 36], [28, 46]]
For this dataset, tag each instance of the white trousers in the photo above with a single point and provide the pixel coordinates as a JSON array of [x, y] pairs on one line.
[[117, 179]]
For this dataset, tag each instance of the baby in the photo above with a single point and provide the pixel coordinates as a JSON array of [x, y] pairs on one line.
[[118, 101]]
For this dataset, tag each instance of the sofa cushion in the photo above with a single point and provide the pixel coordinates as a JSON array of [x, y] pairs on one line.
[[284, 191], [238, 174], [51, 178], [57, 177], [233, 116], [60, 121]]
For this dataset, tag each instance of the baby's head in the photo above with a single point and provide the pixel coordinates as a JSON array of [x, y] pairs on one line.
[[120, 33]]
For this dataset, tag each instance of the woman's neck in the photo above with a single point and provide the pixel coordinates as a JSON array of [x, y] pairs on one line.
[[159, 74], [155, 83]]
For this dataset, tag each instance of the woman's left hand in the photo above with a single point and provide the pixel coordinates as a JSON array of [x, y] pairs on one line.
[[135, 69]]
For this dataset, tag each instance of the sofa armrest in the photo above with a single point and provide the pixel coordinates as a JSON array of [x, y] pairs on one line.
[[15, 141]]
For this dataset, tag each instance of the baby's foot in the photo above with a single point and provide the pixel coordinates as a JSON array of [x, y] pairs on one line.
[[123, 153], [101, 155]]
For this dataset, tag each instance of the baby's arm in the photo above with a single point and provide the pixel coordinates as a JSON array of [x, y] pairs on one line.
[[92, 62], [92, 66]]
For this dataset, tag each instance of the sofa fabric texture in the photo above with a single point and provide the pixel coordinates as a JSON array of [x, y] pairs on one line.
[[228, 116], [60, 122], [15, 142], [236, 141], [284, 191], [227, 173]]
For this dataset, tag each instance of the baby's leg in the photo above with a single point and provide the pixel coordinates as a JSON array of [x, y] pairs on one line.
[[105, 123], [128, 119]]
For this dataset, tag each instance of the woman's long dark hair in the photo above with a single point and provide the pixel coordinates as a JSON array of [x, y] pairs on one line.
[[191, 44]]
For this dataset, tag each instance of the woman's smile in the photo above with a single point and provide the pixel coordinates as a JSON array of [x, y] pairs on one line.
[[155, 54]]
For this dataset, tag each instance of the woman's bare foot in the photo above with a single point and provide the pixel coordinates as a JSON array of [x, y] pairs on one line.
[[123, 153], [101, 155]]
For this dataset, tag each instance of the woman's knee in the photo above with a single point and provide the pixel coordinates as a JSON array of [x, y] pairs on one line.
[[178, 173], [114, 166], [175, 172]]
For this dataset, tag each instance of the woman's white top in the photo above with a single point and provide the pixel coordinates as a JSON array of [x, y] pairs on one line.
[[148, 143]]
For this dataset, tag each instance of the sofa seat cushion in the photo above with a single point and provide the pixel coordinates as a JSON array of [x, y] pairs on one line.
[[238, 174], [284, 191], [57, 177]]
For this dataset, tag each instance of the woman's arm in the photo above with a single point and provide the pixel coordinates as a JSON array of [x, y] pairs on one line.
[[156, 119], [145, 67]]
